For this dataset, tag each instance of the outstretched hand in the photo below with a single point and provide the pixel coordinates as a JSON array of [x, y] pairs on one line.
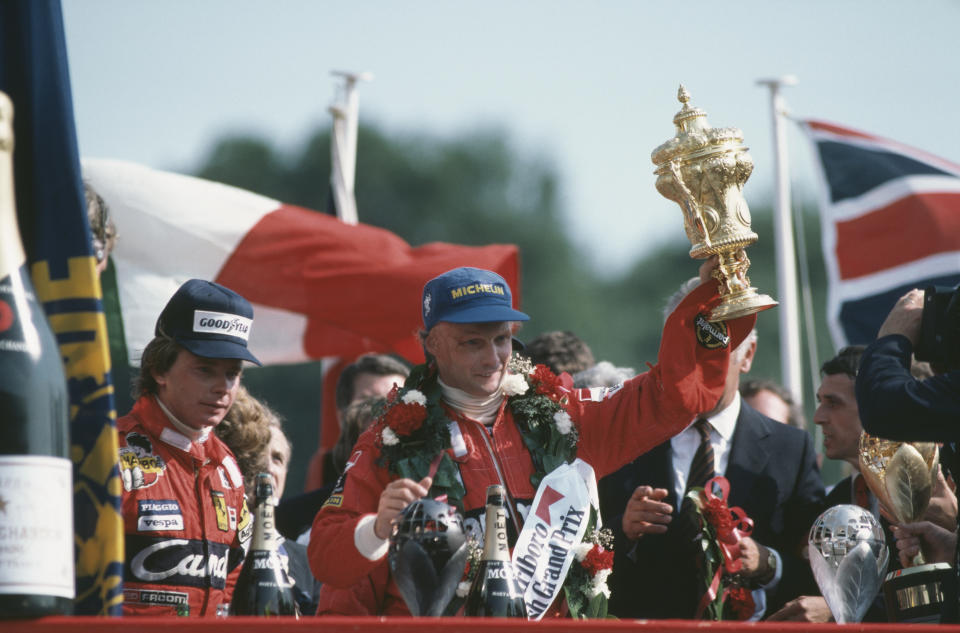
[[646, 513]]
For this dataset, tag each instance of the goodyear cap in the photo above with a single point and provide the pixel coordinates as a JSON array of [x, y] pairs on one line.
[[209, 320], [468, 295]]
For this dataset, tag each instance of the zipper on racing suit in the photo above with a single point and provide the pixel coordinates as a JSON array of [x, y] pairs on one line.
[[517, 522], [203, 532]]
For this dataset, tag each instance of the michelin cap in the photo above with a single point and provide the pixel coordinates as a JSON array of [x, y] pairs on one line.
[[209, 320], [468, 295]]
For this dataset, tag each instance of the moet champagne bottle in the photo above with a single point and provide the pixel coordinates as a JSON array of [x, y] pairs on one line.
[[36, 477], [263, 587], [495, 592]]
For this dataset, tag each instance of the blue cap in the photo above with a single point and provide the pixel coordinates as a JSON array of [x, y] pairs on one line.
[[209, 320], [468, 295]]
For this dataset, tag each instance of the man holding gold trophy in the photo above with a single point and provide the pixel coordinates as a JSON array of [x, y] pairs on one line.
[[838, 415], [468, 392], [894, 404], [770, 467]]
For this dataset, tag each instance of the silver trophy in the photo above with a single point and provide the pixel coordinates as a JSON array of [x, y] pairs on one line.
[[849, 557], [428, 553]]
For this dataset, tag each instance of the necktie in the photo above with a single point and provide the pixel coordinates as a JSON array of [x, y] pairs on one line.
[[861, 494], [702, 469]]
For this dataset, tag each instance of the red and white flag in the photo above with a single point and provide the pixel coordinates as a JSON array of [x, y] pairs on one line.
[[319, 287], [890, 217]]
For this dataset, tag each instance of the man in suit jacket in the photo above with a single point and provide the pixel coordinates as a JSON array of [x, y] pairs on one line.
[[773, 476]]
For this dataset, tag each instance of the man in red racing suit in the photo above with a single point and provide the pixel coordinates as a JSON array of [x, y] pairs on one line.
[[184, 515], [348, 542]]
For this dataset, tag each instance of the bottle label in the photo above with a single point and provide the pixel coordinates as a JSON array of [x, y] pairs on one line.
[[36, 525], [18, 335]]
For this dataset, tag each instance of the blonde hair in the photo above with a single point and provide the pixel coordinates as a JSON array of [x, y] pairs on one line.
[[246, 430]]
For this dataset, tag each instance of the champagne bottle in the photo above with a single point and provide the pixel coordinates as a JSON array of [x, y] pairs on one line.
[[495, 592], [36, 487], [263, 587]]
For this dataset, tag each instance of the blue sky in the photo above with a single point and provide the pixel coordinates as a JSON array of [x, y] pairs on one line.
[[591, 85]]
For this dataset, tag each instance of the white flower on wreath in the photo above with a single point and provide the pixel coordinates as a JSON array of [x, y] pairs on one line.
[[514, 385], [389, 437], [562, 419], [463, 589], [599, 584], [414, 397], [581, 551]]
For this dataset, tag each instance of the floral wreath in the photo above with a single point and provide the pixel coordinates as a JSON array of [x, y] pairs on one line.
[[586, 583], [725, 594], [413, 429]]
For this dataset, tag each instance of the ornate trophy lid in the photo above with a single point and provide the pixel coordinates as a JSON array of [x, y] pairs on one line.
[[695, 137]]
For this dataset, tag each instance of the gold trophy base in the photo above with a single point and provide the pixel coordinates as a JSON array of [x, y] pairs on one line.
[[917, 594], [738, 297], [746, 302]]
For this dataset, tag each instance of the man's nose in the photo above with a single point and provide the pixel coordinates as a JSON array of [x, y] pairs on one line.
[[221, 384], [492, 355], [819, 417]]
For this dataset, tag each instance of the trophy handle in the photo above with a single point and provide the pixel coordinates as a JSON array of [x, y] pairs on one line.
[[689, 202]]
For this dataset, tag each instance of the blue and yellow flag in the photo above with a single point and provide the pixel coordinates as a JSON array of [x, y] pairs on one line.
[[56, 236]]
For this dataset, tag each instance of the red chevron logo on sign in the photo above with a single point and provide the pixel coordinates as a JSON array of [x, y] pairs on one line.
[[549, 497]]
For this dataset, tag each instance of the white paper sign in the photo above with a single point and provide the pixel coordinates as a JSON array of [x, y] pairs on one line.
[[554, 527]]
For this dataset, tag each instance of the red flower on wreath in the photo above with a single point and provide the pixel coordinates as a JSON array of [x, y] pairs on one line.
[[718, 515], [405, 418], [547, 383], [597, 559], [739, 603]]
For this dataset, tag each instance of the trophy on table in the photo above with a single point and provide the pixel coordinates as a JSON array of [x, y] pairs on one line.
[[703, 169], [902, 475], [848, 557]]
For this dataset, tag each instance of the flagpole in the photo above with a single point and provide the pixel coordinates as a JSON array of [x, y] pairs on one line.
[[790, 355], [343, 145]]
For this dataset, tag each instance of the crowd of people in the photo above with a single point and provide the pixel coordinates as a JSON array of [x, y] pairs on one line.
[[195, 440]]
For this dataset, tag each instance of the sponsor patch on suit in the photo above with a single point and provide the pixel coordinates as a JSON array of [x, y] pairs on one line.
[[139, 467], [155, 515], [711, 334], [153, 597], [220, 505]]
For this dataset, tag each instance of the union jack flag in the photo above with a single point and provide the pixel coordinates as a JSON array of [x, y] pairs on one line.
[[890, 218]]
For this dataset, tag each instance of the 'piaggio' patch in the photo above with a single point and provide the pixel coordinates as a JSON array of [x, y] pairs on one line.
[[712, 335]]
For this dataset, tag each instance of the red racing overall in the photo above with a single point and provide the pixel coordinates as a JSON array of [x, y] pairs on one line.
[[183, 515]]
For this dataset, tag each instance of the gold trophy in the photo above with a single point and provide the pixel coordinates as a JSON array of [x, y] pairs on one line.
[[903, 475], [703, 169]]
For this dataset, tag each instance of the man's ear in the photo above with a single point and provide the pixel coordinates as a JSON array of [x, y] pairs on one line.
[[748, 358], [430, 341], [160, 379]]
